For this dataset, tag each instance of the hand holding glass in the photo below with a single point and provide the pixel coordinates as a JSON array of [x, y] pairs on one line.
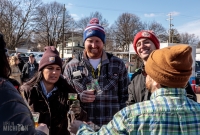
[[36, 116], [72, 97]]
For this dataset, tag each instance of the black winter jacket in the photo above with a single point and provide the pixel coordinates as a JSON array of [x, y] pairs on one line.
[[26, 71], [14, 114], [137, 90]]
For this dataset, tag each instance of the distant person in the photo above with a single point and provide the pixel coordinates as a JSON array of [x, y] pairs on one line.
[[30, 69], [169, 111], [15, 71], [13, 110], [21, 62], [47, 93], [65, 62], [109, 71], [144, 43]]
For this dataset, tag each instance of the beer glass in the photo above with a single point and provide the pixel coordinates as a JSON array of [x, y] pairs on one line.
[[36, 116], [97, 87], [71, 97], [90, 87]]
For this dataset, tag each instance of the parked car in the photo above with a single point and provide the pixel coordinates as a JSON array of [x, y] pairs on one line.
[[21, 54], [12, 54], [38, 58], [35, 53], [197, 72], [25, 59]]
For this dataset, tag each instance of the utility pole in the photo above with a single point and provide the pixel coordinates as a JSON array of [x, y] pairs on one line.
[[63, 31], [170, 25], [72, 43]]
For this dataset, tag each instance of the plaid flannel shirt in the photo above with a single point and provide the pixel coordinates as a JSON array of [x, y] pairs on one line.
[[113, 80], [169, 112]]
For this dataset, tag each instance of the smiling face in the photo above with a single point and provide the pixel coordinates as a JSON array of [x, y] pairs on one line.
[[144, 47], [94, 47], [51, 74]]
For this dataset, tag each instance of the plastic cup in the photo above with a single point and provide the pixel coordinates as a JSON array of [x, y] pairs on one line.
[[72, 97], [36, 116], [97, 87], [90, 87]]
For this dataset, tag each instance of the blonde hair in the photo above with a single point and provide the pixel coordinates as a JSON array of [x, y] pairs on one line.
[[13, 60]]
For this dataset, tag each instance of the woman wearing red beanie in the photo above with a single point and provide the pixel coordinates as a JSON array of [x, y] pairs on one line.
[[47, 93]]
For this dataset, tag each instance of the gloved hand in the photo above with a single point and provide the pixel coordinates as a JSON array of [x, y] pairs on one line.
[[75, 107]]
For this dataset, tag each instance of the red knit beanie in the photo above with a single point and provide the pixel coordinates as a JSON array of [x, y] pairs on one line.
[[146, 34], [50, 56]]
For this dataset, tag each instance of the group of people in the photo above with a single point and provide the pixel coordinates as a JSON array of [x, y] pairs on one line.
[[159, 99], [21, 71]]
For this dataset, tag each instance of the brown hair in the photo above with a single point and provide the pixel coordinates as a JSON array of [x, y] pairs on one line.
[[13, 60], [5, 67]]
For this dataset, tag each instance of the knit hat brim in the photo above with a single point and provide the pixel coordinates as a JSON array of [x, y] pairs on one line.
[[146, 34]]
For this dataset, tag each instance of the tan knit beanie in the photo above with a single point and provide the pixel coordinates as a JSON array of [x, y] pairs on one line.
[[170, 66]]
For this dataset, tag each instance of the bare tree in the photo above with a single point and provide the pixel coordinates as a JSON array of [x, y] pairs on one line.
[[124, 29], [83, 22], [15, 20], [109, 46], [158, 29], [175, 36], [187, 38], [49, 23]]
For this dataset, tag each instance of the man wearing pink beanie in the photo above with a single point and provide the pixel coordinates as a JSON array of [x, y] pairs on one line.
[[144, 43]]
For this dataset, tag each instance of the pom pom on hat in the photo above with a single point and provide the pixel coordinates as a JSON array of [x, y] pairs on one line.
[[50, 56], [94, 21], [94, 29]]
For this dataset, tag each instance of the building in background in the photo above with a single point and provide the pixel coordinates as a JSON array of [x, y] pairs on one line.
[[73, 44]]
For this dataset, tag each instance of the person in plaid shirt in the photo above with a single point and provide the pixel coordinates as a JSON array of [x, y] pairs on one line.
[[110, 71], [169, 111]]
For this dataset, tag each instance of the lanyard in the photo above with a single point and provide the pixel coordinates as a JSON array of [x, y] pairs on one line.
[[93, 71], [98, 68]]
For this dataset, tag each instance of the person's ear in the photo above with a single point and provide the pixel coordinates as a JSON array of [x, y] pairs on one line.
[[155, 84]]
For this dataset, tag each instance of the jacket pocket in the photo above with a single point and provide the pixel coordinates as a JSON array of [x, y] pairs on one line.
[[110, 81]]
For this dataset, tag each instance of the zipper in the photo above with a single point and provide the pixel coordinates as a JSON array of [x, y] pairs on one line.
[[47, 106]]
